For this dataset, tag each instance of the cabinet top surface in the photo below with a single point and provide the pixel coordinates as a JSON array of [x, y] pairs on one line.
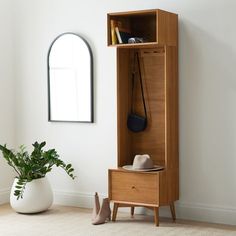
[[120, 169], [139, 12]]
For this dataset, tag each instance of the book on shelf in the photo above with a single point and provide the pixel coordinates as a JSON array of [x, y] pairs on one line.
[[118, 35], [113, 33], [125, 36]]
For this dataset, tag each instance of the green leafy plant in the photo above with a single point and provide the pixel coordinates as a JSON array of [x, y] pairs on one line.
[[33, 166]]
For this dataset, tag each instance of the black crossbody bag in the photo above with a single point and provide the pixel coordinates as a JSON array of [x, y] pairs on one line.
[[135, 122]]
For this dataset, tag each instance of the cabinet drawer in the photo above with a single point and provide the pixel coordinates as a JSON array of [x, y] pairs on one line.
[[134, 187]]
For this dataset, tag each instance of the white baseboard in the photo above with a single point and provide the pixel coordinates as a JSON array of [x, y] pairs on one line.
[[77, 199], [4, 195], [206, 213], [190, 211], [187, 211]]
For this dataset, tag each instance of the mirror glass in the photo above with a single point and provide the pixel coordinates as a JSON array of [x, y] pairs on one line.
[[70, 81]]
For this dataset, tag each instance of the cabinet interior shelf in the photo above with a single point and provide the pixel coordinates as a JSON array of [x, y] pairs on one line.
[[136, 45]]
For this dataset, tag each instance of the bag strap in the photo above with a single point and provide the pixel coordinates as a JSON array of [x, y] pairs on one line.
[[141, 85]]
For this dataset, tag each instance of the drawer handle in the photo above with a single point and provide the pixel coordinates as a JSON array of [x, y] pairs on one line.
[[133, 187]]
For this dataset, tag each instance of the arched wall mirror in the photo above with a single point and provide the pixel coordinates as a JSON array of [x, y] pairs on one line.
[[70, 79]]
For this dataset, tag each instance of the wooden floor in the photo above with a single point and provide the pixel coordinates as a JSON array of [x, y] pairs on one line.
[[72, 221]]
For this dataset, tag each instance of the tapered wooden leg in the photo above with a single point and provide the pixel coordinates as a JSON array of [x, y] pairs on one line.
[[156, 215], [132, 212], [172, 209], [115, 209]]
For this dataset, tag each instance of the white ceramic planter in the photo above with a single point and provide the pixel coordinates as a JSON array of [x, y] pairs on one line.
[[37, 197]]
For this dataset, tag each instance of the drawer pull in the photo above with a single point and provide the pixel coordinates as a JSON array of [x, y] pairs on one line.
[[133, 187]]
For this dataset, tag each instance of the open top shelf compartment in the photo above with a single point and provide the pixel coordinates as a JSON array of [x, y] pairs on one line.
[[154, 26]]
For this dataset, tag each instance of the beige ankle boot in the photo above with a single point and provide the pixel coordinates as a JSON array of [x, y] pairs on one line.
[[104, 213], [96, 207]]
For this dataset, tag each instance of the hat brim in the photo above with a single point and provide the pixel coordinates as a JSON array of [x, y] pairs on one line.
[[130, 167]]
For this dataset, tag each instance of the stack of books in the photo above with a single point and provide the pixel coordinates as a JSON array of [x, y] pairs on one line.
[[119, 34]]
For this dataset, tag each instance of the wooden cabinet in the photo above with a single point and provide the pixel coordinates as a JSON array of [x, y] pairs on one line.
[[139, 188], [158, 57]]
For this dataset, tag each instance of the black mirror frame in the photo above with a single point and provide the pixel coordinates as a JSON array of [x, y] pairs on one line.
[[91, 81]]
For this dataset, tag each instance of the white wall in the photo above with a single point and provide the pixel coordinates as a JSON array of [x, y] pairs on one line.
[[207, 99], [7, 114], [207, 110]]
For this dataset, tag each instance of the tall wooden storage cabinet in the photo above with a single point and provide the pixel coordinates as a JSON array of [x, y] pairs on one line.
[[159, 68]]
